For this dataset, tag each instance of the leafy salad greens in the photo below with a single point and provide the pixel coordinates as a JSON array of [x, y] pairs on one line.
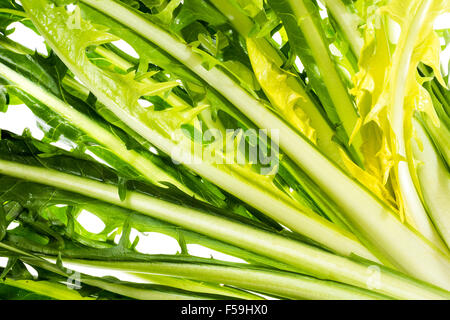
[[308, 140]]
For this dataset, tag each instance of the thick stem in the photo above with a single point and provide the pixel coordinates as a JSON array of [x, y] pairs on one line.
[[400, 119], [336, 88], [434, 181], [57, 291]]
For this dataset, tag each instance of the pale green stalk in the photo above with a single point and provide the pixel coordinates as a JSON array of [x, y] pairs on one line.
[[336, 88], [199, 285], [272, 282], [434, 180], [61, 292], [399, 75]]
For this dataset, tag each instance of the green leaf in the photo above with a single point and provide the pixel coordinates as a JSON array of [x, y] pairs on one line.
[[8, 292], [193, 10], [307, 39], [10, 12], [48, 72], [4, 99], [3, 224]]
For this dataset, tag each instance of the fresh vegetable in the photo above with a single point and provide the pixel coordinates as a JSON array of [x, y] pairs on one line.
[[309, 140]]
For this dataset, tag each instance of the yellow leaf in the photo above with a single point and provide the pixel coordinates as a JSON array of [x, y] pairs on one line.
[[276, 84], [388, 89]]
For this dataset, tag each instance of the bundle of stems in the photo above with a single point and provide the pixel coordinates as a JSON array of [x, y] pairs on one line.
[[308, 141]]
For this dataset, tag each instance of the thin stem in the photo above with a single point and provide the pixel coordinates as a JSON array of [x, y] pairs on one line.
[[281, 284], [14, 12], [198, 285], [336, 88], [348, 22], [46, 288], [58, 291]]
